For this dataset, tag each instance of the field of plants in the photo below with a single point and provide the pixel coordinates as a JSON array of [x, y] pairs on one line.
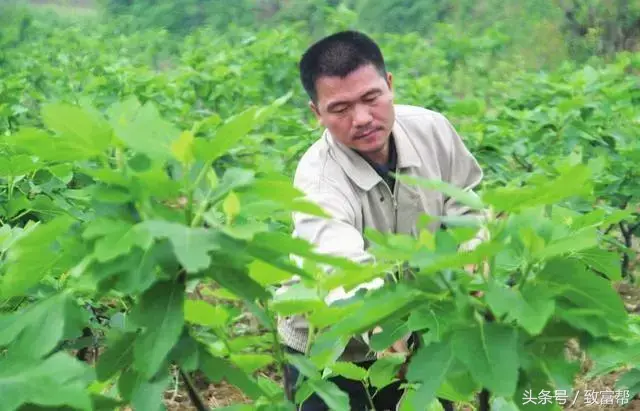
[[145, 220]]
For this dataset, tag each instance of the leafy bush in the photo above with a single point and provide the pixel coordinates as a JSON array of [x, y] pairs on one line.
[[145, 192]]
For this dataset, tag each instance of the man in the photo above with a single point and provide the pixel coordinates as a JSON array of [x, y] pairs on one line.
[[347, 172]]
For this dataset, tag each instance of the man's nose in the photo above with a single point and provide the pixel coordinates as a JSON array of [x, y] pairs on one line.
[[361, 116]]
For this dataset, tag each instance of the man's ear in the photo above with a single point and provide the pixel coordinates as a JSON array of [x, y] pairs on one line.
[[390, 80], [315, 111]]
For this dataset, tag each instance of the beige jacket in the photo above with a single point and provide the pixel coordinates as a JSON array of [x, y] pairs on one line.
[[349, 189]]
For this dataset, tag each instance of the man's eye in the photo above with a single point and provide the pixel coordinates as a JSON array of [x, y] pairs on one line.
[[370, 99]]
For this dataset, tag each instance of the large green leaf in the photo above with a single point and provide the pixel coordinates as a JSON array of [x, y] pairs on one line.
[[217, 368], [17, 165], [36, 331], [143, 129], [585, 289], [490, 351], [429, 366], [603, 261], [572, 243], [296, 299], [161, 313], [335, 398], [202, 313], [284, 193], [83, 129], [121, 242], [227, 136], [630, 382], [573, 182], [117, 357], [532, 307], [379, 307], [468, 198], [191, 245], [55, 381], [35, 255]]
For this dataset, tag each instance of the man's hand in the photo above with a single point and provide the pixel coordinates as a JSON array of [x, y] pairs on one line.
[[471, 269], [398, 347]]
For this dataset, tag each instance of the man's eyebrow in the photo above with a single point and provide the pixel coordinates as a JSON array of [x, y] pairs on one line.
[[371, 91], [367, 93]]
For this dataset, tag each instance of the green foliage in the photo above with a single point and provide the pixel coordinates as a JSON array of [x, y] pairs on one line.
[[145, 196]]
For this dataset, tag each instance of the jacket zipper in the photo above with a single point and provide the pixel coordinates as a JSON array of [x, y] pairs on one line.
[[394, 200]]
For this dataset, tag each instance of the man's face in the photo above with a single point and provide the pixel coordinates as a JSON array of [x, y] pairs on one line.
[[357, 110]]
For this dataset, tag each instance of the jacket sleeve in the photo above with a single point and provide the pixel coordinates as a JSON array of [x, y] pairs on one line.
[[336, 236], [462, 170]]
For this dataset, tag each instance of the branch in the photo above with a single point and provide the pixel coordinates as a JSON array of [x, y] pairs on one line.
[[191, 391]]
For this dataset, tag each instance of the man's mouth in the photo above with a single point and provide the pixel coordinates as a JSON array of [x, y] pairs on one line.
[[366, 134]]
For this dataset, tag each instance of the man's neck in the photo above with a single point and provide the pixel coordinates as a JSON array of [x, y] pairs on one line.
[[382, 157]]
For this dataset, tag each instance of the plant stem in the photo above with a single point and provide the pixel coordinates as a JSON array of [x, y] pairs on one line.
[[525, 276], [484, 400], [191, 391], [201, 209], [277, 347], [369, 396]]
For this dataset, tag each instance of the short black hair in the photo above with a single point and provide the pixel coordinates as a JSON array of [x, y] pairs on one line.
[[338, 55]]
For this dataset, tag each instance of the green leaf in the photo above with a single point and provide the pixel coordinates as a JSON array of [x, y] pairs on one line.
[[430, 262], [142, 129], [84, 130], [186, 353], [47, 147], [304, 365], [574, 182], [603, 261], [335, 398], [585, 289], [143, 393], [284, 244], [191, 245], [502, 404], [35, 255], [267, 274], [574, 242], [379, 307], [202, 313], [490, 352], [121, 242], [384, 371], [284, 193], [182, 148], [13, 166], [118, 356], [630, 381], [249, 363], [36, 331], [231, 206], [55, 381], [429, 366], [160, 312], [296, 299], [531, 308], [216, 368], [468, 198], [609, 356], [227, 136], [238, 282], [391, 332], [348, 370]]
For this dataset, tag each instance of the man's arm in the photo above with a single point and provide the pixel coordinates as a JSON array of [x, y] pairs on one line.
[[336, 236]]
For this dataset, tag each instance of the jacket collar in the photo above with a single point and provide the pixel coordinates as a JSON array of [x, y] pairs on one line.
[[357, 168]]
